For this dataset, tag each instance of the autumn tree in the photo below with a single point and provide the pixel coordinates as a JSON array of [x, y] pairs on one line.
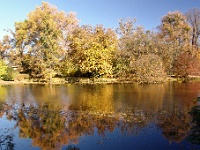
[[193, 17], [186, 65], [133, 43], [174, 33], [149, 69], [40, 39], [5, 46], [92, 49]]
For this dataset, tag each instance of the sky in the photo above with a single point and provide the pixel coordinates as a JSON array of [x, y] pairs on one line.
[[106, 12]]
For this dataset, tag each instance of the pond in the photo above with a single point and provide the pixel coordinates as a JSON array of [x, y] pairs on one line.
[[103, 116]]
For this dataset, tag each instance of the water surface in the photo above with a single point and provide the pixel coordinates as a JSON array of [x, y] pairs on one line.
[[112, 116]]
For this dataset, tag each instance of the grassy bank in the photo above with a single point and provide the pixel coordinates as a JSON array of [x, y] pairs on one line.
[[22, 79]]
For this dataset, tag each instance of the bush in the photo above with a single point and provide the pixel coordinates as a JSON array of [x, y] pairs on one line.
[[3, 68], [8, 76], [149, 69], [6, 73], [69, 69]]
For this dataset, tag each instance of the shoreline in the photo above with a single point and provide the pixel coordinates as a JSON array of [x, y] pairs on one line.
[[79, 80]]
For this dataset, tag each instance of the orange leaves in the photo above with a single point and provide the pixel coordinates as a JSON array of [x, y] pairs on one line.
[[187, 64]]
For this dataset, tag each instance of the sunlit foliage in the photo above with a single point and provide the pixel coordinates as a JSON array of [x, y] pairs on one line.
[[175, 33], [149, 69], [40, 39], [186, 65], [50, 43], [5, 46], [92, 49]]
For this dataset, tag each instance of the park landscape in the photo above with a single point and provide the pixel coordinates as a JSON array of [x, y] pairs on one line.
[[70, 86], [50, 43]]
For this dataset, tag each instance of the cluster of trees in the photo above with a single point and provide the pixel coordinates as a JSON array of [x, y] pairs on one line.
[[51, 43]]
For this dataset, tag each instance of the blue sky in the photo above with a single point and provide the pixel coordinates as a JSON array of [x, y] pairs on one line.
[[107, 12]]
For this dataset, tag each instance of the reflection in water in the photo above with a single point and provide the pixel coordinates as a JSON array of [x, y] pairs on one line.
[[194, 135], [54, 116], [2, 100], [44, 125], [174, 125], [6, 142]]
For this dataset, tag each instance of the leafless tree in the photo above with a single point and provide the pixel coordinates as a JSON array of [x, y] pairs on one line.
[[193, 17]]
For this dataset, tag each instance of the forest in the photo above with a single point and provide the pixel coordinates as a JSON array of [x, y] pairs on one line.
[[51, 43]]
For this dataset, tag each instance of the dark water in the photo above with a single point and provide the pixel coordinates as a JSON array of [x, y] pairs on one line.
[[115, 116]]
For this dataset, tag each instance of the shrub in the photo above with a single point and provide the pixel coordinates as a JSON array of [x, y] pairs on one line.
[[69, 69], [186, 64], [3, 68], [6, 73], [149, 69], [8, 76]]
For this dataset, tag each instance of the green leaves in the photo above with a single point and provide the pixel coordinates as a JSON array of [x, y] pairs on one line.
[[5, 72], [3, 68]]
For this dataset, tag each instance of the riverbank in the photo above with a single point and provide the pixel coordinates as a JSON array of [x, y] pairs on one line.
[[80, 80]]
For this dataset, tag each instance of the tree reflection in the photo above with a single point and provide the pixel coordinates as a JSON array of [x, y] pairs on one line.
[[50, 124], [174, 125], [6, 142], [44, 125], [72, 148], [58, 115], [194, 135], [2, 100], [50, 127]]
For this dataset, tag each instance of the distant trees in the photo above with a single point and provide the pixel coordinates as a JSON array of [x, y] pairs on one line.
[[51, 43]]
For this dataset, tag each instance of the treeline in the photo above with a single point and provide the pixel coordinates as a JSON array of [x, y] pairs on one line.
[[51, 43]]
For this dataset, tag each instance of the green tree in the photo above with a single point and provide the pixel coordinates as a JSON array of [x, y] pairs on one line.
[[3, 68], [5, 71]]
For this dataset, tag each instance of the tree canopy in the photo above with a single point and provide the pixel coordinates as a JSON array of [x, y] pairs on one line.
[[50, 42]]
